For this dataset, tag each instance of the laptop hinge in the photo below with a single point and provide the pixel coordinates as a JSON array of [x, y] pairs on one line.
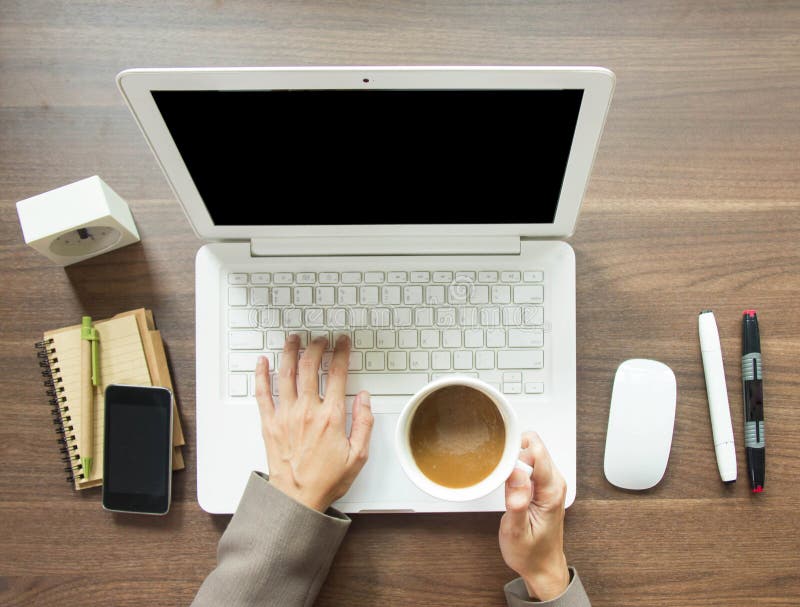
[[391, 245]]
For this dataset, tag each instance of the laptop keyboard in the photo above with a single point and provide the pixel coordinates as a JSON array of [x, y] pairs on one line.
[[407, 327]]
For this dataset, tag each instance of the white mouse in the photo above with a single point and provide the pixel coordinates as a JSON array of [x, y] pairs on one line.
[[640, 424]]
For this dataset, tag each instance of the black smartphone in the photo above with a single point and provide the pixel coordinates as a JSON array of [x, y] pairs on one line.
[[137, 449]]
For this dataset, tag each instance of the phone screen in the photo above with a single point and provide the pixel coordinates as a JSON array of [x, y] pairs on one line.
[[137, 455]]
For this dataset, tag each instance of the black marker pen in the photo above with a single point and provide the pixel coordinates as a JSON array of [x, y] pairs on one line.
[[753, 400]]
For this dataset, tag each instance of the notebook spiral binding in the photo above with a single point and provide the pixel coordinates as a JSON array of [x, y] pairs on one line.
[[68, 447]]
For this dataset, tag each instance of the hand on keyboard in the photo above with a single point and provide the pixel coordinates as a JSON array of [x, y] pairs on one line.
[[311, 459]]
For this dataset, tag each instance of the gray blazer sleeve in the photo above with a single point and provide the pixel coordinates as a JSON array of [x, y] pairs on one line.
[[275, 551], [573, 596]]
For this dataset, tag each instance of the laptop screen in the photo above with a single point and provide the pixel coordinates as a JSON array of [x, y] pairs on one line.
[[335, 157]]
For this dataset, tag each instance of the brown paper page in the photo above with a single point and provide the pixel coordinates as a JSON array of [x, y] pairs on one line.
[[121, 360]]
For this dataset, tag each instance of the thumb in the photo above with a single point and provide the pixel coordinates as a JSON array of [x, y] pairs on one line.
[[518, 498]]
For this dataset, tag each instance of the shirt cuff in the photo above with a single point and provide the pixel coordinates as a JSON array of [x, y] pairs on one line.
[[573, 596]]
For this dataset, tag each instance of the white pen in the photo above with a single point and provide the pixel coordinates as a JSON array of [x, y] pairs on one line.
[[718, 407]]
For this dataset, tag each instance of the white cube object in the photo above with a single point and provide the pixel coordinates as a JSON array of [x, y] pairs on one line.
[[77, 221]]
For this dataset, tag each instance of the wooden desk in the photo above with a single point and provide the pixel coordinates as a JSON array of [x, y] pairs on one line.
[[694, 203]]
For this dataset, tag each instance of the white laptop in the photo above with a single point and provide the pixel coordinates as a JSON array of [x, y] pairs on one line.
[[418, 209]]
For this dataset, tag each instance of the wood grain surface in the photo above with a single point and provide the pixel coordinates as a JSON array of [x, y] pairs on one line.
[[694, 203]]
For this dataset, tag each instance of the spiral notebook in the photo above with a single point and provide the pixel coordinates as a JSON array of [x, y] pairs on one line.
[[130, 352]]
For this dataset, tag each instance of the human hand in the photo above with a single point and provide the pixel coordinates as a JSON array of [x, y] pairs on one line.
[[532, 529], [311, 459]]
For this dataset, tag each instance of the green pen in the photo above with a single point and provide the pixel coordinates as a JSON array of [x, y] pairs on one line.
[[90, 379]]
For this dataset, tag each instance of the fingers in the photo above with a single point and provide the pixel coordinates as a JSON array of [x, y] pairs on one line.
[[266, 406], [287, 374], [308, 376], [518, 498], [361, 429], [337, 373], [548, 484]]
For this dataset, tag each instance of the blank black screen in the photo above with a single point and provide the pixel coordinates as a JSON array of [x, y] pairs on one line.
[[136, 448], [332, 157]]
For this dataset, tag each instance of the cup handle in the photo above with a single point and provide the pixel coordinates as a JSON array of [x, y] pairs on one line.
[[525, 467]]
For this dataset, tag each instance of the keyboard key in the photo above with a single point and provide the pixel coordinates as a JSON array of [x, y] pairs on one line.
[[418, 360], [282, 278], [420, 276], [479, 294], [306, 278], [510, 276], [247, 362], [337, 317], [512, 376], [534, 387], [484, 359], [351, 278], [423, 317], [359, 317], [465, 276], [292, 318], [451, 338], [281, 296], [529, 294], [462, 360], [532, 315], [473, 338], [457, 293], [496, 338], [468, 317], [380, 317], [412, 295], [314, 317], [397, 277], [347, 296], [386, 339], [271, 317], [242, 318], [303, 335], [520, 359], [328, 278], [237, 279], [356, 361], [501, 294], [396, 361], [237, 296], [512, 388], [487, 276], [490, 317], [434, 295], [375, 361], [325, 296], [259, 296], [442, 276], [525, 338], [402, 317], [303, 296], [533, 276], [440, 360], [436, 376], [261, 278], [512, 316], [322, 334], [446, 317], [275, 340], [237, 384], [406, 338], [373, 277], [368, 296], [429, 338], [364, 339], [390, 295], [246, 340], [382, 383]]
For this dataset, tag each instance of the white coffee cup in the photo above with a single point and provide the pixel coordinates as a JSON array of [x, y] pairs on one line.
[[500, 473]]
